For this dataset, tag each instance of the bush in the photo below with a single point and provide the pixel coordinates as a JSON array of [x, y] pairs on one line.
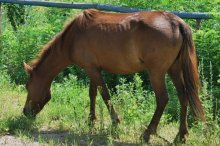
[[4, 79], [23, 45]]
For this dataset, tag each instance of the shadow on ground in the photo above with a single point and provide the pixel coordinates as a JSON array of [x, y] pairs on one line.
[[98, 139], [19, 123], [82, 139], [28, 128], [58, 137]]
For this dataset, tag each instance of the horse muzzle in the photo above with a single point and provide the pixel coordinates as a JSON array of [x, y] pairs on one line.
[[29, 113]]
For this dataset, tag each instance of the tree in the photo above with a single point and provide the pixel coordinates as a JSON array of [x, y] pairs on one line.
[[15, 14]]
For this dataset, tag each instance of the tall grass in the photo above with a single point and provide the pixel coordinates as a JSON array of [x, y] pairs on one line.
[[65, 119]]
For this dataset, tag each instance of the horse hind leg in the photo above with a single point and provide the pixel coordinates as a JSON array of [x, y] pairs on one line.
[[175, 73], [158, 83]]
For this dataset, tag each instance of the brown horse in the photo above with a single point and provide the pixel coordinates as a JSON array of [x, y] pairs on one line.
[[121, 43]]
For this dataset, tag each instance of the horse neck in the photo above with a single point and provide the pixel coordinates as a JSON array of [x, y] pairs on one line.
[[53, 64], [58, 58]]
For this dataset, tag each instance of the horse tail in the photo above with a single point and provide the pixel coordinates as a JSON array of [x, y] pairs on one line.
[[190, 71]]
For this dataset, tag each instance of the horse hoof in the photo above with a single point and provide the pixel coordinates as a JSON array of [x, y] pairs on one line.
[[183, 138], [92, 121], [116, 121], [145, 137]]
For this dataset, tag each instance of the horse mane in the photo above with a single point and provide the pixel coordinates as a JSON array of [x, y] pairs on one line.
[[50, 47], [82, 20], [85, 18], [44, 52]]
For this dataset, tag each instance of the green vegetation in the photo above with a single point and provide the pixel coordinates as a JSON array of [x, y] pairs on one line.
[[64, 120]]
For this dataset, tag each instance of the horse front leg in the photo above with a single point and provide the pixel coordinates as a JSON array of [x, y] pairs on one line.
[[92, 96], [95, 75], [106, 98], [158, 84]]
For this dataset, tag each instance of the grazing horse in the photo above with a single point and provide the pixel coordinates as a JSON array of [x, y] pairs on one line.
[[121, 43]]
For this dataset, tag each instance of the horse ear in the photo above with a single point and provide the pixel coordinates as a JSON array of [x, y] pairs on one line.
[[28, 68]]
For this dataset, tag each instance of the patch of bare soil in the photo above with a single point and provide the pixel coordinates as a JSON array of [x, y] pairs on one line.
[[10, 140]]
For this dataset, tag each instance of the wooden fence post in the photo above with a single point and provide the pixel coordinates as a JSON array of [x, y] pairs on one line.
[[198, 24]]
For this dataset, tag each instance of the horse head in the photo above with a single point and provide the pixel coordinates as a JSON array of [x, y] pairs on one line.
[[37, 96]]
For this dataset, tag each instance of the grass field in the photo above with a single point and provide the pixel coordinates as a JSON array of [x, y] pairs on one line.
[[64, 121]]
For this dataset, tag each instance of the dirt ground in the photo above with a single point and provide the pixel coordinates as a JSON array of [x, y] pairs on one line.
[[56, 138], [60, 138], [9, 140]]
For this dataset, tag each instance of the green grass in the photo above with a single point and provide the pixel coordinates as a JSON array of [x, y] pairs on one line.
[[64, 121]]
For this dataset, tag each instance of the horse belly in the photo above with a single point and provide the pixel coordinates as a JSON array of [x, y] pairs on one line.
[[122, 70], [121, 65]]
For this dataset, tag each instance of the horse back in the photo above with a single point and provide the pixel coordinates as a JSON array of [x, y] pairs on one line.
[[126, 42]]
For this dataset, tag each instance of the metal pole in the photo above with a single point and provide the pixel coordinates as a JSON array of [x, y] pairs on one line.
[[74, 5]]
